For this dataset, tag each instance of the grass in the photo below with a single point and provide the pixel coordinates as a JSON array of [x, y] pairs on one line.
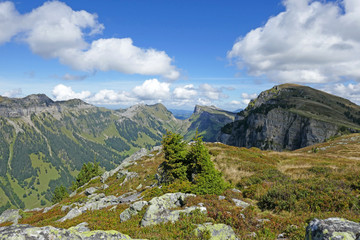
[[287, 188]]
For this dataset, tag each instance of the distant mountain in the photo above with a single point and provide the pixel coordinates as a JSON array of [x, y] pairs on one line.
[[291, 116], [208, 120], [44, 143], [181, 114]]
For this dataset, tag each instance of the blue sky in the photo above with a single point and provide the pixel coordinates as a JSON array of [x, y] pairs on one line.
[[117, 53]]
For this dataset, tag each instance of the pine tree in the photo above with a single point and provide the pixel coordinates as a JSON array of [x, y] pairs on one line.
[[60, 193], [174, 166], [201, 170]]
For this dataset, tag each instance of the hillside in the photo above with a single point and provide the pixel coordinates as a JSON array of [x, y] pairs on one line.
[[45, 143], [208, 120], [291, 116], [276, 194]]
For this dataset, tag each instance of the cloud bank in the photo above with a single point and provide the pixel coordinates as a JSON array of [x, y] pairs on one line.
[[54, 30], [310, 42], [150, 91]]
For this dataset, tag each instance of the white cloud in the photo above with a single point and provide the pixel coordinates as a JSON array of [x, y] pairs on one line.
[[54, 30], [106, 96], [234, 102], [203, 101], [350, 91], [247, 97], [152, 89], [71, 77], [62, 92], [210, 92], [13, 93], [186, 92], [310, 42]]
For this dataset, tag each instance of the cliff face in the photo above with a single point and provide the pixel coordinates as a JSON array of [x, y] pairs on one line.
[[35, 103], [291, 117]]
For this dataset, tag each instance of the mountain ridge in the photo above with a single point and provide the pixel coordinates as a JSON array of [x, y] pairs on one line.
[[291, 116]]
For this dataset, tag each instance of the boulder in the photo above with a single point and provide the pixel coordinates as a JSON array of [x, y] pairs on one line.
[[132, 210], [90, 191], [216, 231], [240, 203], [332, 228], [24, 231], [10, 215], [160, 209]]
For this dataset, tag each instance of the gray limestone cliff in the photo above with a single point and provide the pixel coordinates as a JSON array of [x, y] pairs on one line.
[[289, 117]]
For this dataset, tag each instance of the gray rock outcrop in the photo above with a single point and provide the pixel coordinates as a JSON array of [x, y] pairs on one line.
[[16, 232], [240, 203], [332, 228], [125, 163], [132, 210], [217, 231], [159, 210], [10, 215]]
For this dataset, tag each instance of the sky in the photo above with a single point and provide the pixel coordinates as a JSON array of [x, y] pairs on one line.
[[117, 53]]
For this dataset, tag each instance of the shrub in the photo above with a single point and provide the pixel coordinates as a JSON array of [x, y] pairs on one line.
[[87, 172], [59, 194]]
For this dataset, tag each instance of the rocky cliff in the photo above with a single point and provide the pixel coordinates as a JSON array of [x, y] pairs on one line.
[[291, 116]]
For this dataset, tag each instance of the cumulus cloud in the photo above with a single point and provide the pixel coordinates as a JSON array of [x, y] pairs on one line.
[[246, 97], [106, 96], [349, 91], [13, 93], [152, 89], [235, 102], [54, 30], [62, 92], [186, 92], [310, 42], [210, 92]]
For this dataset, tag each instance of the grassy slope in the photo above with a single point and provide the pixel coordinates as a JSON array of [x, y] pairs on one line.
[[330, 168]]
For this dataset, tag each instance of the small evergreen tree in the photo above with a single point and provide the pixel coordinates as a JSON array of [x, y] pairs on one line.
[[174, 166], [60, 193], [87, 172], [201, 170]]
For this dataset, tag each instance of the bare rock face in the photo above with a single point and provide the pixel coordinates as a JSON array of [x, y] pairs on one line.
[[290, 117], [11, 215], [332, 228], [15, 232]]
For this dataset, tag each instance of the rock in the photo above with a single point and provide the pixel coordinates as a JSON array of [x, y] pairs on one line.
[[73, 213], [217, 231], [159, 209], [240, 203], [82, 227], [222, 197], [90, 191], [24, 231], [65, 208], [128, 176], [10, 215], [125, 163], [34, 210], [105, 186], [332, 228], [73, 194], [132, 210], [252, 235], [49, 208], [236, 190], [139, 187]]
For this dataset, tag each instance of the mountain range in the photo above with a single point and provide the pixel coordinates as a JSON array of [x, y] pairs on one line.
[[45, 142]]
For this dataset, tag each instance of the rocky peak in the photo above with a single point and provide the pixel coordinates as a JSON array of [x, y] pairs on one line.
[[199, 109], [37, 100]]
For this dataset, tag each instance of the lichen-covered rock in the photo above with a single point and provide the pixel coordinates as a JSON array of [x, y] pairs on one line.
[[125, 163], [332, 228], [90, 191], [132, 210], [240, 203], [217, 231], [10, 215], [16, 232], [160, 209]]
